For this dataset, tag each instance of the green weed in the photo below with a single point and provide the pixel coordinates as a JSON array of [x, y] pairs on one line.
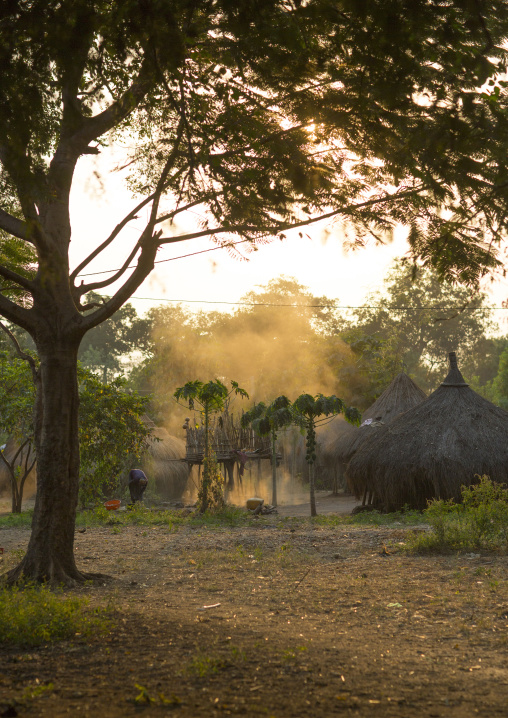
[[145, 698], [35, 615], [202, 666]]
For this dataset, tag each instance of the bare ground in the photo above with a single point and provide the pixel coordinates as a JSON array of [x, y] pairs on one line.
[[281, 618]]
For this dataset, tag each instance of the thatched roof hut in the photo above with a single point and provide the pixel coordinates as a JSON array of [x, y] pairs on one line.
[[433, 449], [164, 461], [332, 438], [400, 395]]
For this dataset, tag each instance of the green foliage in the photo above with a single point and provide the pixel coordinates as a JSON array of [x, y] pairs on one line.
[[211, 398], [497, 389], [103, 346], [111, 432], [268, 419], [307, 410], [139, 515], [479, 522], [412, 325], [35, 615], [17, 397], [21, 520]]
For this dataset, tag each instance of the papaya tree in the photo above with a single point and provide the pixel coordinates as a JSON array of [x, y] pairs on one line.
[[269, 420], [210, 398], [308, 412]]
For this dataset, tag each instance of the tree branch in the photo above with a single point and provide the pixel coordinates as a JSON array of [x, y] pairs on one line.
[[14, 226], [112, 236], [22, 355], [15, 277], [17, 315], [286, 226], [142, 270], [84, 288], [95, 127]]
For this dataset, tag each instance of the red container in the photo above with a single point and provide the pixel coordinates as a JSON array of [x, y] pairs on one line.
[[113, 505]]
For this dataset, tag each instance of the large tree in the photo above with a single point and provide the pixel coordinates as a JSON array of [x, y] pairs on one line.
[[414, 323], [264, 115]]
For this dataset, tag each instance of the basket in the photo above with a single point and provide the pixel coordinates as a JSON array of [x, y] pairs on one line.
[[113, 505]]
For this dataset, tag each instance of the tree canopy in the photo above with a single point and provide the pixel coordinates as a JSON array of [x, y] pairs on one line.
[[412, 325]]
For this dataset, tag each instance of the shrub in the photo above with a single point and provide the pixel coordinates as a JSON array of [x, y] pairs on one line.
[[479, 521]]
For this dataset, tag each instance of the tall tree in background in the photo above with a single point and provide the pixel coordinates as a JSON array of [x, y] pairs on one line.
[[103, 346], [266, 116], [17, 395], [413, 324]]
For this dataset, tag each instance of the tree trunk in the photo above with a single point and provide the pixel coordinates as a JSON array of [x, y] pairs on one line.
[[203, 489], [274, 470], [15, 499], [313, 510], [50, 553]]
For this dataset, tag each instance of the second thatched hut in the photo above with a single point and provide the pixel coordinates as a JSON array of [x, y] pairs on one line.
[[164, 462], [399, 396], [434, 449]]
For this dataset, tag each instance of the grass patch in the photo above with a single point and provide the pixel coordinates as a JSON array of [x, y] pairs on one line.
[[35, 615], [407, 517], [139, 515], [203, 664], [479, 522], [22, 520]]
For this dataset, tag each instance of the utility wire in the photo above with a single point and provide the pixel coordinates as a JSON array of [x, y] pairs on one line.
[[306, 306]]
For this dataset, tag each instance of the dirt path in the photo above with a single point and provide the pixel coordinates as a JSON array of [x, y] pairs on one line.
[[326, 504], [281, 618]]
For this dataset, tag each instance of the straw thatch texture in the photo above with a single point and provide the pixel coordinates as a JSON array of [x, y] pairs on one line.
[[332, 439], [433, 449], [399, 396], [165, 462], [343, 440]]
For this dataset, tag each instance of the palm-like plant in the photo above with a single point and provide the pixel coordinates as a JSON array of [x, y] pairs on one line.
[[211, 399], [268, 420], [307, 411]]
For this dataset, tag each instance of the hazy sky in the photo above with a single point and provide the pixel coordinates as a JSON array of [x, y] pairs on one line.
[[100, 200]]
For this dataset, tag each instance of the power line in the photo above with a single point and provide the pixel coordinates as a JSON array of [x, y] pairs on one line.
[[311, 306]]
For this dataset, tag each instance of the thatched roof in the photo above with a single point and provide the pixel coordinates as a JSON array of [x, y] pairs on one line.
[[433, 449], [399, 396], [330, 470], [165, 462]]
